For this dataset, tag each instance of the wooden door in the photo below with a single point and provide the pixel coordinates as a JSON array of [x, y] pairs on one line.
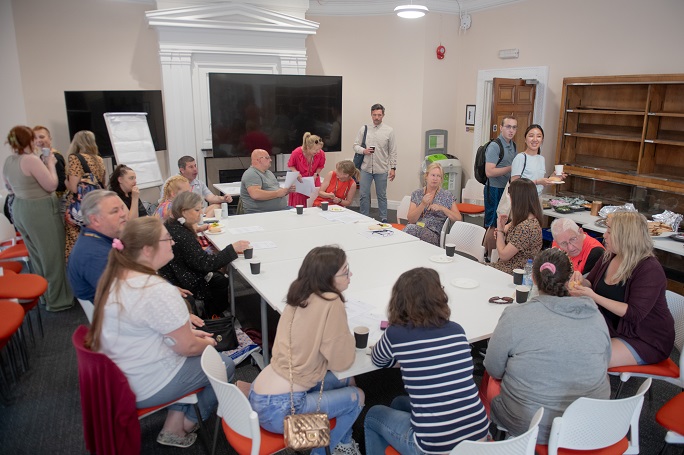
[[512, 97]]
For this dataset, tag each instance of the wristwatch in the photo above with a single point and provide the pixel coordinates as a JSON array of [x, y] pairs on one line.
[[394, 168]]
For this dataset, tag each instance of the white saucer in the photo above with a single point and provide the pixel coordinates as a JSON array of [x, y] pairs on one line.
[[465, 283], [441, 259], [215, 233]]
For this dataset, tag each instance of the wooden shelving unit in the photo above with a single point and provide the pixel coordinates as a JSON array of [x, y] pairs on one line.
[[624, 129]]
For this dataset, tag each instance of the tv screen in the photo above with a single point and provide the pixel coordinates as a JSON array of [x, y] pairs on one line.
[[85, 111], [272, 112]]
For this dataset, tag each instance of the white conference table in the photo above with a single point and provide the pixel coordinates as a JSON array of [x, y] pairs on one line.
[[232, 188], [374, 272], [587, 222], [375, 262]]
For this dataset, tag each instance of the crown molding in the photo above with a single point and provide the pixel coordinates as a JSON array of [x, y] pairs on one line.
[[386, 7]]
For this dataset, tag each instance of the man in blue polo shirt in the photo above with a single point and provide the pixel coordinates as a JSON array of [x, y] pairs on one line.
[[105, 216]]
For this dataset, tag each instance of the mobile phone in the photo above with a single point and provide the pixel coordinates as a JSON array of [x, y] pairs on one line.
[[384, 325]]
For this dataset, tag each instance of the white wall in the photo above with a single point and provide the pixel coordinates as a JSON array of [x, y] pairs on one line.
[[12, 111]]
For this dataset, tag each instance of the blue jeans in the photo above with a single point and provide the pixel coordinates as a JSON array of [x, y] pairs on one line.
[[492, 197], [340, 401], [385, 426], [190, 377], [381, 190]]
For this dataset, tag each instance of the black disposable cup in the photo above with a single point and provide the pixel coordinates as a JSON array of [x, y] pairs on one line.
[[361, 337], [249, 252], [450, 249], [300, 209], [324, 205], [518, 275], [256, 267], [521, 293]]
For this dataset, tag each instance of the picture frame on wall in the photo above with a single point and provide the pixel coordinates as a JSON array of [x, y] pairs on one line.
[[470, 115]]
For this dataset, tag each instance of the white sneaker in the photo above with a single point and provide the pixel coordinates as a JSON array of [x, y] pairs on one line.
[[347, 449]]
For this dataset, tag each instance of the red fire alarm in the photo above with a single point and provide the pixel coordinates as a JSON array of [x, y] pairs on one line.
[[441, 50]]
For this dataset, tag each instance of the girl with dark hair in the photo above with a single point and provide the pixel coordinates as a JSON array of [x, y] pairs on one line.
[[33, 181], [313, 337], [442, 407], [530, 163], [123, 182], [547, 352], [192, 268], [521, 239], [142, 323]]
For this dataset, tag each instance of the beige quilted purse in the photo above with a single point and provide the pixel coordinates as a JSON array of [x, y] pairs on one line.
[[305, 431]]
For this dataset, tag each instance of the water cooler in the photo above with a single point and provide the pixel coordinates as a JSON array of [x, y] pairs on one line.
[[452, 173]]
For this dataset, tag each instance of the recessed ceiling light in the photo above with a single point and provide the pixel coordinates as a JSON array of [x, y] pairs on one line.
[[411, 11]]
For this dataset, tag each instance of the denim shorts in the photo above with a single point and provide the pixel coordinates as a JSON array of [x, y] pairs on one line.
[[631, 349]]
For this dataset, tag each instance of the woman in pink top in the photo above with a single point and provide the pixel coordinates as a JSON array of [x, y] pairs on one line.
[[309, 161]]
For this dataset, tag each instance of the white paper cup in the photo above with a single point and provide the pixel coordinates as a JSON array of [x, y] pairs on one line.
[[558, 169], [218, 214]]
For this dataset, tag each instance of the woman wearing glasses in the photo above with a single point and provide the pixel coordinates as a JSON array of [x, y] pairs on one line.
[[142, 323], [309, 161], [192, 268], [313, 338]]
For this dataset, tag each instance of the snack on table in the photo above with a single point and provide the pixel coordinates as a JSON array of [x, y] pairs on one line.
[[555, 178], [656, 228], [215, 227]]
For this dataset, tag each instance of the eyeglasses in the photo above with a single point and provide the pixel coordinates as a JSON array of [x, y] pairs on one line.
[[170, 239], [510, 127], [345, 274], [265, 158], [570, 240]]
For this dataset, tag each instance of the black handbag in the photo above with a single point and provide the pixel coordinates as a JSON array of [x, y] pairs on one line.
[[358, 157], [223, 331]]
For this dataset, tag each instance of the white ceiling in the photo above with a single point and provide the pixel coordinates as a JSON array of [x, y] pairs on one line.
[[379, 7]]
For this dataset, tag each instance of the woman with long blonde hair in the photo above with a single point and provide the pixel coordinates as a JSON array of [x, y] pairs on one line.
[[142, 323], [628, 284], [309, 161], [173, 186]]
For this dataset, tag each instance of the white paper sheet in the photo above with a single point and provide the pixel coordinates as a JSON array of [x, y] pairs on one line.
[[290, 179], [306, 186], [263, 245], [246, 229]]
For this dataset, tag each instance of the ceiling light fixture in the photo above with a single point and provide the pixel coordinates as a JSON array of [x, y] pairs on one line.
[[411, 11]]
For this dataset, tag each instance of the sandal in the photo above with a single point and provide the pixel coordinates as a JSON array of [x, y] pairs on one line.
[[172, 439]]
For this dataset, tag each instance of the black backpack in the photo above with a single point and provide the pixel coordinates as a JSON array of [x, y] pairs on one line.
[[481, 160]]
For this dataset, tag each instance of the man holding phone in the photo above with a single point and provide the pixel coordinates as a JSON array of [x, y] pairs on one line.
[[379, 148]]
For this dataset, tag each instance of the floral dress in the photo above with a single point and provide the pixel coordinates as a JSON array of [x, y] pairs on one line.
[[97, 167], [527, 238], [429, 225]]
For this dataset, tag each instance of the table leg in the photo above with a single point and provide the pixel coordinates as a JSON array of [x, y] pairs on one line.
[[264, 333], [231, 281]]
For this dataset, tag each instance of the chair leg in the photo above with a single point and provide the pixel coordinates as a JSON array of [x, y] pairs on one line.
[[662, 450], [40, 321], [619, 389], [202, 429], [216, 432]]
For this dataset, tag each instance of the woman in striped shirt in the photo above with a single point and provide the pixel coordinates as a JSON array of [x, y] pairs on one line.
[[442, 407]]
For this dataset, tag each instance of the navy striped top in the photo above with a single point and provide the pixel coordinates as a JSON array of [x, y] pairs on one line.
[[437, 370]]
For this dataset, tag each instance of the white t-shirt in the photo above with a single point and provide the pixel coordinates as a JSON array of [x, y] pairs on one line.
[[534, 169], [135, 321]]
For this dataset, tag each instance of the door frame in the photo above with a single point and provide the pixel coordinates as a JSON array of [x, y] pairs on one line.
[[485, 84]]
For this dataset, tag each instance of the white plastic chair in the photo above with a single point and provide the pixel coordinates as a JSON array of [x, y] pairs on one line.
[[312, 198], [519, 445], [668, 370], [473, 192], [590, 424], [234, 410], [403, 209], [468, 239], [88, 308]]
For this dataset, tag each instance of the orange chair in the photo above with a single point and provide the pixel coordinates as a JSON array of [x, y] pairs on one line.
[[12, 316], [13, 266], [470, 209], [110, 416], [402, 213], [671, 416], [28, 289], [11, 247], [667, 370]]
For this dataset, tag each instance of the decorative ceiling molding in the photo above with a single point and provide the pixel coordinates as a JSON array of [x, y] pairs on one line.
[[230, 16], [386, 7]]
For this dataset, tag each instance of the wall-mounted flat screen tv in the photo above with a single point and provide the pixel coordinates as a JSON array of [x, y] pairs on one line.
[[272, 112], [85, 111]]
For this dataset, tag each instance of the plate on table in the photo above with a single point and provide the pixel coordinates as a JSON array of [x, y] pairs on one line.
[[220, 231], [335, 208], [677, 237], [379, 226], [441, 259], [465, 283]]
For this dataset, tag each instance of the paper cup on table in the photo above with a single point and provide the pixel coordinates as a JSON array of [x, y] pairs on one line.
[[518, 275], [450, 249], [218, 214], [255, 266], [361, 337], [324, 205], [521, 293], [249, 253], [300, 209], [596, 207], [558, 169]]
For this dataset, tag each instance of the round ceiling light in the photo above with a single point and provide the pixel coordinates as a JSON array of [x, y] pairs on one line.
[[411, 11]]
